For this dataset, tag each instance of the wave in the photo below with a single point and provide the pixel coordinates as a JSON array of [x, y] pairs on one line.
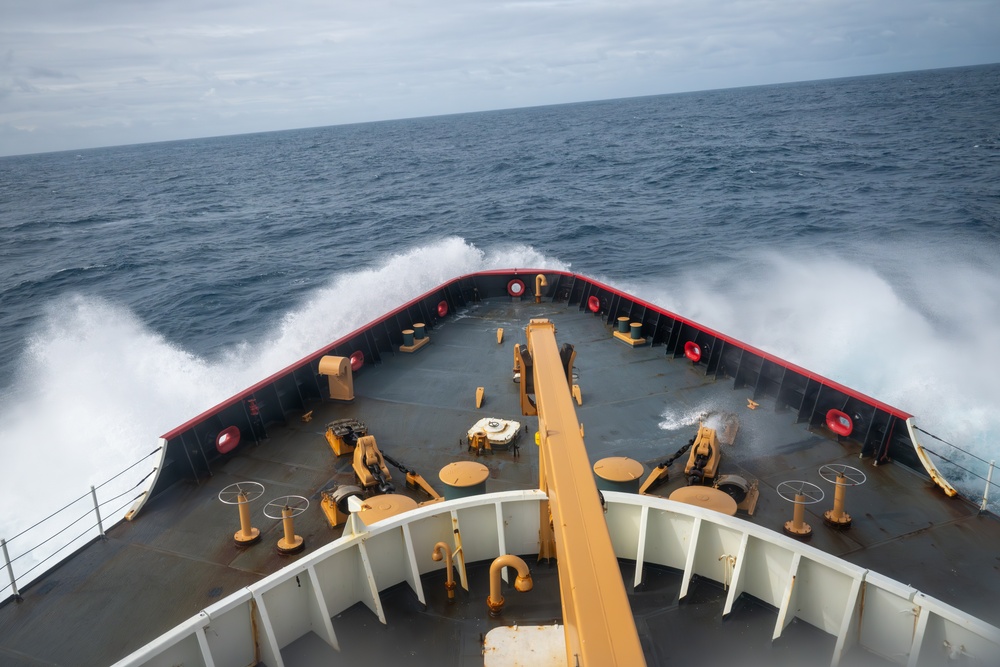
[[96, 386], [915, 327]]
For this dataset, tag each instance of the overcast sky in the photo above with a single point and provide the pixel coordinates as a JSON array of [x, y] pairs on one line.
[[83, 73]]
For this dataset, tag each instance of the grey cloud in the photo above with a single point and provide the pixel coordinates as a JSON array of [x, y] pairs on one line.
[[158, 70]]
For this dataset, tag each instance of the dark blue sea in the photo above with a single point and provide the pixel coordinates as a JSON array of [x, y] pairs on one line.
[[851, 226]]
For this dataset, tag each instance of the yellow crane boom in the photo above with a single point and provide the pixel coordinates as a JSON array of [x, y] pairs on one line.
[[599, 626]]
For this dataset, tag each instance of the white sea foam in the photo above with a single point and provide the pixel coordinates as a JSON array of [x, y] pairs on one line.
[[918, 332], [96, 388]]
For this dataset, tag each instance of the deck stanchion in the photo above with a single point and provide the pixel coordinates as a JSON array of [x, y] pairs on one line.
[[286, 509], [842, 476], [242, 494], [10, 570], [986, 491], [800, 493], [97, 511]]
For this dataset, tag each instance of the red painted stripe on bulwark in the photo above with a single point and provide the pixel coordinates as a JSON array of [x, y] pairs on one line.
[[246, 393]]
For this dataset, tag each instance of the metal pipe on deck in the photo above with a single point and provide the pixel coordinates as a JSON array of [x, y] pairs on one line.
[[540, 282], [441, 550], [523, 582]]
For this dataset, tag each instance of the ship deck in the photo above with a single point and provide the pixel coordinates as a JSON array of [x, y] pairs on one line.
[[178, 557]]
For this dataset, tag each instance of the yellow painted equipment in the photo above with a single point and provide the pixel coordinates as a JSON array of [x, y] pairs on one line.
[[797, 527], [415, 480], [247, 534], [289, 543], [343, 434], [523, 363], [499, 335], [800, 493], [369, 466], [287, 508], [659, 474], [523, 583], [479, 442], [704, 457], [629, 332], [517, 362], [480, 391], [442, 552], [341, 377], [378, 508], [242, 494], [707, 497], [598, 622], [745, 492], [463, 478], [540, 282], [414, 339], [494, 433], [334, 503], [842, 477]]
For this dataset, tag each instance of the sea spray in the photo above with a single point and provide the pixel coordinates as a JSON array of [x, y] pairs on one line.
[[96, 388]]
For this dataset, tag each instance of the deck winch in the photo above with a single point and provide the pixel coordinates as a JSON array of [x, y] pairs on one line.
[[343, 434], [334, 503]]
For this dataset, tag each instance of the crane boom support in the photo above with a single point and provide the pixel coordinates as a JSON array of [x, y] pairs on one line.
[[599, 626]]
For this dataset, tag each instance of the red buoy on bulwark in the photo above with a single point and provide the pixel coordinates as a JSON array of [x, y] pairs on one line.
[[357, 360], [594, 304], [692, 351], [228, 439], [839, 423]]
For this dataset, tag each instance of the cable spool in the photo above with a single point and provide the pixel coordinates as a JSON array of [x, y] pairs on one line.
[[734, 486], [341, 495]]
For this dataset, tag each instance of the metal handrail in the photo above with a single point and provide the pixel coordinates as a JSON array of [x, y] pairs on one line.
[[953, 446], [984, 500], [8, 561]]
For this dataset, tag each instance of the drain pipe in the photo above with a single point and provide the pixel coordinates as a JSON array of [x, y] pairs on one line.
[[522, 583], [439, 549], [540, 282]]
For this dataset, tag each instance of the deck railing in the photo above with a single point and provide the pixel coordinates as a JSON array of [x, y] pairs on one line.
[[58, 541], [855, 606], [963, 461]]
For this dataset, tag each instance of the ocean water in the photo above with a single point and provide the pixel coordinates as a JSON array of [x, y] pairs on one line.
[[851, 226]]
